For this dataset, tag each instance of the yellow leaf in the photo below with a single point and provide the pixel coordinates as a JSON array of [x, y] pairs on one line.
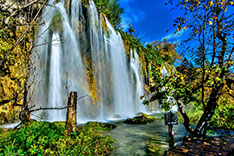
[[211, 3], [217, 79], [210, 22], [185, 150], [206, 143], [225, 10]]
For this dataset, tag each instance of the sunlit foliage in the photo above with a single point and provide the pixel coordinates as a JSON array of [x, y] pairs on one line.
[[44, 138], [112, 10]]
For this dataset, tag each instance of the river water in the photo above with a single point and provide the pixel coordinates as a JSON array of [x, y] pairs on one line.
[[133, 138]]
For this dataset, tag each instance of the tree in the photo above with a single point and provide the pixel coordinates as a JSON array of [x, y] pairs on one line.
[[209, 25]]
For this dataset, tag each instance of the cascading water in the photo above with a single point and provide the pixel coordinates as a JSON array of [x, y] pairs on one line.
[[55, 82], [80, 51], [137, 80]]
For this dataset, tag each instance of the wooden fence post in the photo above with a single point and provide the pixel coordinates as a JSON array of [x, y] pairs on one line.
[[71, 113]]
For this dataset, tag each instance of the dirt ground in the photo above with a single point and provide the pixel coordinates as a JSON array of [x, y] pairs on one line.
[[210, 146]]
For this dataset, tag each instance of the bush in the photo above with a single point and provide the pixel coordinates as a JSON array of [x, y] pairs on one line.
[[224, 115]]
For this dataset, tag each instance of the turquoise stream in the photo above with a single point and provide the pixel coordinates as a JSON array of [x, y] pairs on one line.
[[133, 138]]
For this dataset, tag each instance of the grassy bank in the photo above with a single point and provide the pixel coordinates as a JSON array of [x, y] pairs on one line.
[[44, 138]]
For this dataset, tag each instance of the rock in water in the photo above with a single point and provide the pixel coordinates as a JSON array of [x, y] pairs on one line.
[[142, 119]]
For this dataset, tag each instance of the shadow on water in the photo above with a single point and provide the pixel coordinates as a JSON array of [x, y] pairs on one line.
[[133, 139]]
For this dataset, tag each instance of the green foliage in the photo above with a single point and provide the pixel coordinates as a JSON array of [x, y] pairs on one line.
[[194, 112], [152, 56], [207, 83], [112, 10], [224, 116], [43, 138], [132, 42]]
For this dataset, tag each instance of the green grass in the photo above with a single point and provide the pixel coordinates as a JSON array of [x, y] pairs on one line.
[[43, 138]]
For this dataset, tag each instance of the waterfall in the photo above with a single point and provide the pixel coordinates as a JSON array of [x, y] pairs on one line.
[[79, 50], [137, 80], [55, 82]]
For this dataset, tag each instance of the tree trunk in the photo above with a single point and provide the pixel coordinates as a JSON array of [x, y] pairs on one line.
[[24, 114], [185, 117], [208, 113], [71, 113]]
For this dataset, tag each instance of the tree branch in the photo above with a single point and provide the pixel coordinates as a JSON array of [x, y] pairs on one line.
[[185, 116], [3, 102], [35, 110], [19, 9]]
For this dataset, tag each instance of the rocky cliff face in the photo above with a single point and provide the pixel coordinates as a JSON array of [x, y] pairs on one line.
[[94, 45], [17, 26]]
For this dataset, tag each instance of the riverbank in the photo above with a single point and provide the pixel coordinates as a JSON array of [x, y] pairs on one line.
[[210, 146], [46, 138]]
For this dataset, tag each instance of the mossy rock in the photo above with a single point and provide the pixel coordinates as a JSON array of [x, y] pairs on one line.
[[153, 149], [85, 3], [99, 126], [57, 22], [142, 119]]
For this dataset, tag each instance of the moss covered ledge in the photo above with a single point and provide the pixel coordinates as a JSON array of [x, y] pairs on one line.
[[141, 119]]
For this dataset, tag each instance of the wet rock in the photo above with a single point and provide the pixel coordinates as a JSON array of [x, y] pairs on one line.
[[153, 149], [142, 119], [117, 116], [99, 125]]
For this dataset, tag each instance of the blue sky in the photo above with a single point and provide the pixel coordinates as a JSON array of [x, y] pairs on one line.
[[151, 18]]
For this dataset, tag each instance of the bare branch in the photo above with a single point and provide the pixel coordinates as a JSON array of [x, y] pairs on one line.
[[3, 102], [20, 8], [39, 109]]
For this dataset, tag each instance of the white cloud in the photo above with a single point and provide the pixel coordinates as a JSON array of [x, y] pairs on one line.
[[130, 15], [174, 36]]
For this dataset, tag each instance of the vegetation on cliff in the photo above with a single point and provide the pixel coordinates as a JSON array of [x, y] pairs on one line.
[[18, 21], [112, 10]]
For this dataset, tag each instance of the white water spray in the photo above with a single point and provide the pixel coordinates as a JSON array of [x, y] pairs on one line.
[[79, 52]]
